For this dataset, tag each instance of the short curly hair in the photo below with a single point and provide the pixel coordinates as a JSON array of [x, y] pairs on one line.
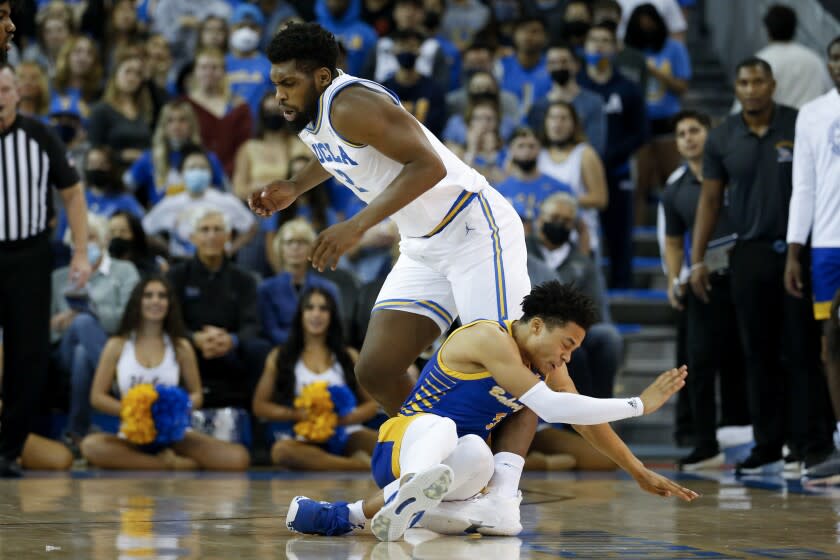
[[308, 44], [558, 304]]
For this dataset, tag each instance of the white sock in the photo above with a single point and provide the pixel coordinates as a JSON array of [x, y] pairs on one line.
[[357, 514], [506, 475]]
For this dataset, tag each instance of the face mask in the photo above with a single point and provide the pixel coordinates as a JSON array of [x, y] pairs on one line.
[[98, 177], [66, 132], [526, 165], [595, 59], [468, 73], [94, 253], [197, 180], [576, 28], [176, 145], [244, 39], [556, 233], [273, 121], [406, 60], [119, 247], [431, 20], [561, 77]]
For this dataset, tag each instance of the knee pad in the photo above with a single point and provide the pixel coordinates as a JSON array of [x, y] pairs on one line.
[[473, 466]]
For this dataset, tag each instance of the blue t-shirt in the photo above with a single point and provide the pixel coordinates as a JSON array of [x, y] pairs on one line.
[[356, 36], [105, 205], [527, 196], [249, 78], [526, 85], [673, 60], [140, 177], [453, 59]]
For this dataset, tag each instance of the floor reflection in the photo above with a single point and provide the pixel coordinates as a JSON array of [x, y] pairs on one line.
[[242, 517]]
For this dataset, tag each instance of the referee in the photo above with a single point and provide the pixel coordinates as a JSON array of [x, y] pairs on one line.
[[32, 160]]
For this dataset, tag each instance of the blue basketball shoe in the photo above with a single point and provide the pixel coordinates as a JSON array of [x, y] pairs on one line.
[[312, 517]]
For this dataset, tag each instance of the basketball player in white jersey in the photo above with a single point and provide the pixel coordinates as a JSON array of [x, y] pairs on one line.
[[462, 244]]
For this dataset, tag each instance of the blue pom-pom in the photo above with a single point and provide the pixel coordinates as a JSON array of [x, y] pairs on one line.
[[171, 413], [344, 401], [338, 442]]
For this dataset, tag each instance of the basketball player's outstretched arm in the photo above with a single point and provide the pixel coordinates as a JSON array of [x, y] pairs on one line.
[[487, 348], [603, 438], [365, 117]]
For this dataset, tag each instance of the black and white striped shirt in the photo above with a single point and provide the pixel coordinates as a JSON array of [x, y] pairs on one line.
[[32, 159]]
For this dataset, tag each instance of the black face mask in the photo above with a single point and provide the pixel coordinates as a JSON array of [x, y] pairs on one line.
[[483, 96], [431, 20], [556, 233], [98, 178], [561, 77], [66, 132], [575, 28], [526, 165], [407, 60], [274, 121], [119, 248]]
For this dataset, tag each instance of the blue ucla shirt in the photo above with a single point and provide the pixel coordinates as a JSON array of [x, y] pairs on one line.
[[526, 196], [672, 59], [528, 85], [249, 78]]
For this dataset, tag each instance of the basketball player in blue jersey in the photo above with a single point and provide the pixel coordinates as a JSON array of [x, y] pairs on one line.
[[462, 248], [435, 449]]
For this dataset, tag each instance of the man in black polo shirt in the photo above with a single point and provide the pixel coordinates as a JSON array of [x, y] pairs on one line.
[[751, 153], [713, 340]]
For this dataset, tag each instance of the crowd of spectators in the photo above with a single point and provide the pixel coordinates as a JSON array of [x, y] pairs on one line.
[[568, 107]]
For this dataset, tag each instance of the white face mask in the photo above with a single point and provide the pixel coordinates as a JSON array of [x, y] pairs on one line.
[[244, 39]]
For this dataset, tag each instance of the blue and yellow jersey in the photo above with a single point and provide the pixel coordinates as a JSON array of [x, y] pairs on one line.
[[472, 400]]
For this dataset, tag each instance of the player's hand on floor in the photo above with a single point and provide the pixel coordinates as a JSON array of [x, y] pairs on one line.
[[661, 390], [276, 196], [655, 483], [334, 242]]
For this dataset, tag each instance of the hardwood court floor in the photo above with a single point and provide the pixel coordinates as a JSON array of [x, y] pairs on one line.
[[134, 515]]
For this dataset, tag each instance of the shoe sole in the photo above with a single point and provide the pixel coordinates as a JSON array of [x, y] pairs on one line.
[[710, 463], [422, 492], [776, 467]]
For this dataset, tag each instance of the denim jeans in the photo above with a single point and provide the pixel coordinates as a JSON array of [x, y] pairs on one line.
[[79, 351]]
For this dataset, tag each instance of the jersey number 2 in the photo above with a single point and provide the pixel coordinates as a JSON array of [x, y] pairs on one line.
[[345, 178]]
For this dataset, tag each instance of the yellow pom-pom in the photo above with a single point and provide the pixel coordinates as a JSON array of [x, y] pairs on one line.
[[321, 419], [137, 425], [317, 429]]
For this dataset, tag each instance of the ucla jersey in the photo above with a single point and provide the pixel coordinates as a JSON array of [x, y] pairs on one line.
[[367, 172], [472, 400]]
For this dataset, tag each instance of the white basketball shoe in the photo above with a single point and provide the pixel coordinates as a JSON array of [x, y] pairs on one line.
[[487, 514]]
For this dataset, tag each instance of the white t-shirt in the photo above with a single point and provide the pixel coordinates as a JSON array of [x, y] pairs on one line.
[[801, 74], [174, 215]]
